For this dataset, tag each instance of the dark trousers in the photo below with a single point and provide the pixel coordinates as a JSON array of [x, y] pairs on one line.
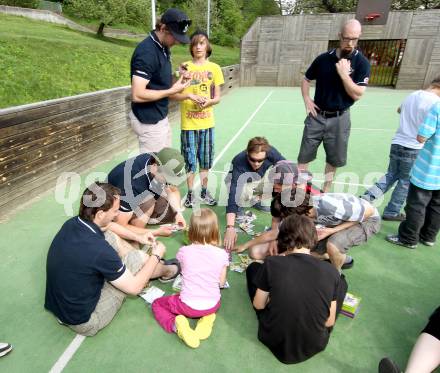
[[252, 273], [422, 216]]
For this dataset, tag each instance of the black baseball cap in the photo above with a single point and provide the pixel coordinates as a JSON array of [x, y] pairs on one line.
[[178, 24], [287, 172]]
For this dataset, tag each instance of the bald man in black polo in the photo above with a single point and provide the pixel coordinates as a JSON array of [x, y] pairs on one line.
[[341, 76]]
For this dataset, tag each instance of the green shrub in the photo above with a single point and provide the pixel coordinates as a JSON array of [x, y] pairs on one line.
[[21, 3], [138, 13], [221, 37]]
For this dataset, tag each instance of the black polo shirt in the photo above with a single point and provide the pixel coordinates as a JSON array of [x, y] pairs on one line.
[[135, 182], [78, 262], [151, 61], [330, 93]]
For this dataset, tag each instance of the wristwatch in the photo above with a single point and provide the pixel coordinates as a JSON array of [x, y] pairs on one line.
[[158, 257], [229, 226]]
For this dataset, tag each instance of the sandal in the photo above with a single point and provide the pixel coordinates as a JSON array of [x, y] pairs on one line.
[[170, 262]]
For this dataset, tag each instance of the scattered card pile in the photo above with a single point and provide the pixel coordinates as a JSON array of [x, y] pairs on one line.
[[151, 293], [225, 286], [174, 227], [240, 267], [351, 305], [177, 284], [245, 222], [237, 267]]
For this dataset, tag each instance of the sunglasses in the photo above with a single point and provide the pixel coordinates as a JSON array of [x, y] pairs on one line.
[[255, 160]]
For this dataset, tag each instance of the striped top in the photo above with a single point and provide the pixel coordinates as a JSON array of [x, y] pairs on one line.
[[426, 170]]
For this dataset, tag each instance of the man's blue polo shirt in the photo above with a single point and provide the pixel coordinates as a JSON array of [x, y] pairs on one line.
[[135, 182], [151, 61], [78, 262], [330, 94]]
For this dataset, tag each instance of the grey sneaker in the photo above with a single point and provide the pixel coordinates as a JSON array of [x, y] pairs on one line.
[[427, 243], [189, 201], [5, 348], [208, 199], [394, 238]]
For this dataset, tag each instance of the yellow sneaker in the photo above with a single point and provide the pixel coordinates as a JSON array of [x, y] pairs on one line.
[[185, 333], [204, 326]]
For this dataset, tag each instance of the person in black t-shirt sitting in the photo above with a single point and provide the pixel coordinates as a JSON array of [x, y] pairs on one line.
[[297, 297]]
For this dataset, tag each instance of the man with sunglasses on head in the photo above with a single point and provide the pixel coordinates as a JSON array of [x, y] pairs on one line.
[[247, 179], [341, 76], [151, 81]]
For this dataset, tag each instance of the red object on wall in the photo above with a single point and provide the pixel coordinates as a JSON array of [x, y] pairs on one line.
[[372, 16]]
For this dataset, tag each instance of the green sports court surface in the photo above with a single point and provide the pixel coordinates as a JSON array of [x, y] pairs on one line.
[[397, 285]]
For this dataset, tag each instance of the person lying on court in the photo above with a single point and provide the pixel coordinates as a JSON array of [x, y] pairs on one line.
[[90, 270], [343, 220], [204, 268], [149, 190], [296, 296]]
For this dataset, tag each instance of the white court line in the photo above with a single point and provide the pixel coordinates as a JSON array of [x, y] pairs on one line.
[[343, 183], [241, 129], [67, 354], [302, 125], [295, 102], [317, 180], [226, 147]]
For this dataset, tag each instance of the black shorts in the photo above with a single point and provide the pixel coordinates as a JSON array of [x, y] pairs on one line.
[[333, 132], [433, 326]]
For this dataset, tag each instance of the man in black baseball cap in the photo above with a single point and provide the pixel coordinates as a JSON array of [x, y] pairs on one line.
[[151, 81], [177, 23]]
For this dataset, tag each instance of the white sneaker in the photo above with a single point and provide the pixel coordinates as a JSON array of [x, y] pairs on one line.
[[5, 348]]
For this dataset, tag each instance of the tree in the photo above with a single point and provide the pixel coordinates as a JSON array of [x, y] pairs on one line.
[[415, 4], [106, 11], [322, 6], [138, 13], [197, 11], [252, 9]]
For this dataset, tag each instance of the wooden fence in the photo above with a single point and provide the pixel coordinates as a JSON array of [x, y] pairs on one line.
[[40, 141], [276, 51]]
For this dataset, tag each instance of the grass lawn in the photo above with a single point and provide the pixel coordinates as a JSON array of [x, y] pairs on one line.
[[93, 24], [41, 61]]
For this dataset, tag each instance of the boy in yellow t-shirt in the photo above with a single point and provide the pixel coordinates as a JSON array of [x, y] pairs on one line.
[[197, 114]]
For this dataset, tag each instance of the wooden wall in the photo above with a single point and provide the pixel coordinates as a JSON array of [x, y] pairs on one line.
[[276, 51], [40, 141]]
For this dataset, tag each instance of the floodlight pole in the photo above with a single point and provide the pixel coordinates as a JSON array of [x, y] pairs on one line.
[[153, 14], [208, 20]]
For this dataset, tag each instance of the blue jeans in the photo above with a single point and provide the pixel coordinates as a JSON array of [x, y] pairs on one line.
[[401, 162]]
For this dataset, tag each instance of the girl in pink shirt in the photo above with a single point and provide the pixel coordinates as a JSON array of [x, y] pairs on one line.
[[204, 267]]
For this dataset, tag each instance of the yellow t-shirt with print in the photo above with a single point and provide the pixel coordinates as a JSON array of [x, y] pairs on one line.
[[204, 78]]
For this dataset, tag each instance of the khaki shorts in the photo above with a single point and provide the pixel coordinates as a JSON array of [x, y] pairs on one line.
[[353, 236], [163, 212], [152, 137], [111, 298]]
